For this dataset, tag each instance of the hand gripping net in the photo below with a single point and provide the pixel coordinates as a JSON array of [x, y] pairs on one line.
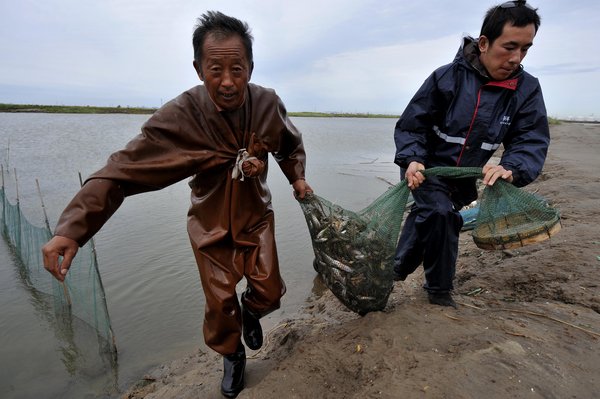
[[354, 251]]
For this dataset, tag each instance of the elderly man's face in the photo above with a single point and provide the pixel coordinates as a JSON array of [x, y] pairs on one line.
[[504, 56], [225, 71]]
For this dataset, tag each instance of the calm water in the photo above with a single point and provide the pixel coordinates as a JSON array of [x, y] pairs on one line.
[[152, 286]]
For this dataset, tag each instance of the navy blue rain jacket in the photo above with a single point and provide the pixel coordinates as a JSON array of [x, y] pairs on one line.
[[459, 117]]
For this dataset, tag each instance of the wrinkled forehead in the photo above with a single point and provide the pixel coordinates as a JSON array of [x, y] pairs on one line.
[[219, 44]]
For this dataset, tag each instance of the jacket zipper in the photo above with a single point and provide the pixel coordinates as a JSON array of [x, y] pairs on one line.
[[510, 84], [470, 126]]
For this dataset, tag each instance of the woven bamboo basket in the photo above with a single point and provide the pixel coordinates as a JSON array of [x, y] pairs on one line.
[[513, 231]]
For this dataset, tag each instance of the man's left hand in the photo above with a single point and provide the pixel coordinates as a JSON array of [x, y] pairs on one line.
[[491, 173]]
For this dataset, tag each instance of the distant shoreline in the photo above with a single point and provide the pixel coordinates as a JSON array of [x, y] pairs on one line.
[[73, 109], [88, 109]]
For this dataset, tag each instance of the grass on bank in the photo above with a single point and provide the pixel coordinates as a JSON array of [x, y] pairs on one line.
[[87, 109], [341, 115], [74, 109]]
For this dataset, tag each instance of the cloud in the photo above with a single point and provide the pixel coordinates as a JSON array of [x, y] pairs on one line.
[[379, 79], [359, 56], [564, 69]]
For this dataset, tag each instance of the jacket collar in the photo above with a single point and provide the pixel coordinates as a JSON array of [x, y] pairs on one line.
[[469, 53]]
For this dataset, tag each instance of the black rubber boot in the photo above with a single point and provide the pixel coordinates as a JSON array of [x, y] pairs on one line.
[[233, 372], [441, 299], [398, 276], [252, 331]]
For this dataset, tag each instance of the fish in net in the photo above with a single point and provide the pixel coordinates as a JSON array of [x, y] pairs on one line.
[[354, 251]]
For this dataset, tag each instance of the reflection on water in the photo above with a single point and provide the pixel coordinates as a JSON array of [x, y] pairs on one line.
[[81, 350], [150, 277], [86, 347]]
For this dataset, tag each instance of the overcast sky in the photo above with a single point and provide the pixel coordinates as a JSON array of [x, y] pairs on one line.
[[324, 55]]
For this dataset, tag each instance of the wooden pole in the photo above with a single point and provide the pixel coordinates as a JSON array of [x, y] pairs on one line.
[[18, 234], [64, 286], [43, 206], [95, 260], [3, 201], [8, 155]]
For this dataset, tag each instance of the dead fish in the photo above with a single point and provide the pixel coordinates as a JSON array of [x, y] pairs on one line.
[[321, 235], [366, 298], [337, 264], [315, 223], [338, 275]]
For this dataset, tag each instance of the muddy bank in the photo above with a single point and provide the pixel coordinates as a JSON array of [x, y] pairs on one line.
[[527, 325]]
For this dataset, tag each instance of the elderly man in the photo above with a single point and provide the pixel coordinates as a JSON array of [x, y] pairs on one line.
[[461, 114], [220, 133]]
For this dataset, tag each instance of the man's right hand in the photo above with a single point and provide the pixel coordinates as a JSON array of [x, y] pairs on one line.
[[413, 174], [56, 247]]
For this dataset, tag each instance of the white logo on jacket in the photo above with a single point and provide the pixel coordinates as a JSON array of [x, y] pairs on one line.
[[505, 120]]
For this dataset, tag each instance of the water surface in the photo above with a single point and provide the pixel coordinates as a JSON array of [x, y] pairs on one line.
[[152, 286]]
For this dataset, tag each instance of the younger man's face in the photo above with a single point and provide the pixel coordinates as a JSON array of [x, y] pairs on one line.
[[503, 57]]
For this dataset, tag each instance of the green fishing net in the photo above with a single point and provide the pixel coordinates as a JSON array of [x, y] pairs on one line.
[[75, 310], [510, 217], [354, 251]]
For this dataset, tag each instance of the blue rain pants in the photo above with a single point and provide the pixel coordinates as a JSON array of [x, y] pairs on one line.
[[430, 236]]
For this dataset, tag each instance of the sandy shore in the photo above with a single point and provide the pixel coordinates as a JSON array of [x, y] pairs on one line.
[[527, 325]]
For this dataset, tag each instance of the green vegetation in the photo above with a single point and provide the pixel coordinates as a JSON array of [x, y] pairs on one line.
[[87, 109], [73, 109], [341, 115]]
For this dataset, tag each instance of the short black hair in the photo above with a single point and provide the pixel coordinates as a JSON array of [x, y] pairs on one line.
[[217, 23], [520, 15]]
